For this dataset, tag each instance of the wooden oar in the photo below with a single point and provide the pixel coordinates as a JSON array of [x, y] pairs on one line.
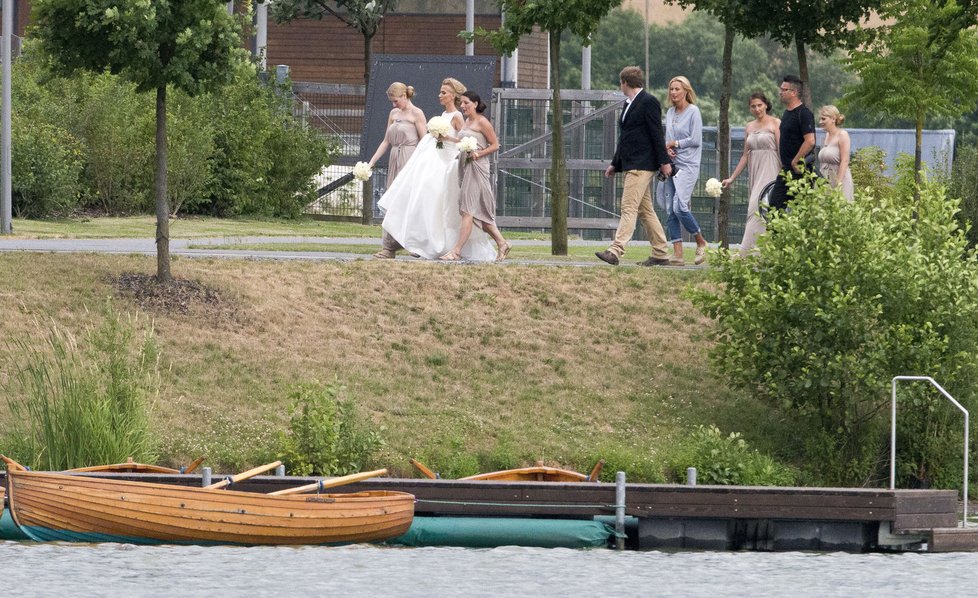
[[12, 465], [427, 472], [193, 466], [330, 483], [243, 475], [596, 472]]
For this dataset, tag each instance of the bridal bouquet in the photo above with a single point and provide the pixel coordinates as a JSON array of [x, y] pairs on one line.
[[362, 171], [468, 144], [439, 126], [713, 188]]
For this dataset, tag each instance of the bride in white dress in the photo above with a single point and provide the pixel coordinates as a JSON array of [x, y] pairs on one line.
[[421, 205]]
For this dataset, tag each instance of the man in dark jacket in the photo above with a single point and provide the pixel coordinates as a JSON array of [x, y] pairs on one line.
[[641, 151]]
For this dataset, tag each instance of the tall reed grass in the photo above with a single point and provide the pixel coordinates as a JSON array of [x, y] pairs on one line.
[[79, 404]]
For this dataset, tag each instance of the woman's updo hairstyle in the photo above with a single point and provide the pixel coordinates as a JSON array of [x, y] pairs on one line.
[[832, 112], [398, 89], [480, 106], [457, 88]]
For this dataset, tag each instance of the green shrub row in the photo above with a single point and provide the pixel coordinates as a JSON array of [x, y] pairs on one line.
[[88, 143]]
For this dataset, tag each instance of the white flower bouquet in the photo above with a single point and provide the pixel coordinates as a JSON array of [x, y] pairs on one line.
[[468, 144], [439, 126], [362, 171], [714, 188]]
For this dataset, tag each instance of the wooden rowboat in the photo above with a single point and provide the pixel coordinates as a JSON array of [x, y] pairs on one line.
[[536, 473], [56, 506]]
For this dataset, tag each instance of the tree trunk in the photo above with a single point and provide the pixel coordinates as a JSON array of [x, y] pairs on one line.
[[806, 89], [162, 209], [723, 136], [367, 199], [558, 170]]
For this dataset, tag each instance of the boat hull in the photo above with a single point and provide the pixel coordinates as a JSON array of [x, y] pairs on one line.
[[50, 506]]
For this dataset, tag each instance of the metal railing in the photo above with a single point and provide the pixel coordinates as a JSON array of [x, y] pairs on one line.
[[964, 516]]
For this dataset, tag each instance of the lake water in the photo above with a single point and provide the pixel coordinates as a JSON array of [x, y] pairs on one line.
[[54, 569]]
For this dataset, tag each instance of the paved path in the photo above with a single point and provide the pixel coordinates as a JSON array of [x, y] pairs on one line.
[[183, 247]]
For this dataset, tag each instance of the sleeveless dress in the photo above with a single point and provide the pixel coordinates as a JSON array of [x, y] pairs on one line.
[[477, 197], [422, 204], [402, 135], [829, 160], [763, 165]]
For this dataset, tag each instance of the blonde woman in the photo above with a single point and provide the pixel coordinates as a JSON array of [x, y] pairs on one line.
[[405, 127], [422, 204], [760, 157], [684, 144], [833, 158]]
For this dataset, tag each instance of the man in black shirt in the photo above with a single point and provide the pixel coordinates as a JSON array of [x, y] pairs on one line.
[[797, 139]]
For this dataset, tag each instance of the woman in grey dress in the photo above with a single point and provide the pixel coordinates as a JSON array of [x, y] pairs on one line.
[[477, 200], [684, 141], [405, 126], [833, 158], [760, 157]]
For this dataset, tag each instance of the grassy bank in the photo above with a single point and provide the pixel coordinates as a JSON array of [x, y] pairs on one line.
[[465, 367]]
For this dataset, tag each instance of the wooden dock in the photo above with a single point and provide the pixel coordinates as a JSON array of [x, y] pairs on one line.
[[665, 516]]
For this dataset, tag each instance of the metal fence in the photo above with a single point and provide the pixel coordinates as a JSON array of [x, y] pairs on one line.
[[522, 118]]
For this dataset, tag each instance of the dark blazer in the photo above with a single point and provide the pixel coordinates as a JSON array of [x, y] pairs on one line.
[[641, 141]]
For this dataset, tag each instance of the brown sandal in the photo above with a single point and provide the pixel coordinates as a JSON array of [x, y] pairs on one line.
[[451, 256]]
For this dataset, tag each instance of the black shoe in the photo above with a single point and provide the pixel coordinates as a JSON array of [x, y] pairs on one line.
[[654, 261], [607, 256]]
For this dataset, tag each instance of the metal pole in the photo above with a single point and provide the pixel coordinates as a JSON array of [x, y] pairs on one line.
[[280, 470], [6, 205], [690, 476], [620, 510], [261, 34], [205, 477], [586, 67], [470, 25]]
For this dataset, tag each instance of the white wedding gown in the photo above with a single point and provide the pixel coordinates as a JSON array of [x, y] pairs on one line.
[[421, 205]]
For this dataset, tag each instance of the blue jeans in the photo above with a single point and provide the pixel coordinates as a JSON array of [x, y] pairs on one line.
[[677, 209]]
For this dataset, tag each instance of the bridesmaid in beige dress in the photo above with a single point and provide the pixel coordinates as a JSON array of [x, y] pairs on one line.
[[833, 158], [760, 156], [405, 126], [477, 200]]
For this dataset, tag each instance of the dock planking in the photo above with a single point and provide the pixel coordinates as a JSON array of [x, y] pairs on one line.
[[736, 511]]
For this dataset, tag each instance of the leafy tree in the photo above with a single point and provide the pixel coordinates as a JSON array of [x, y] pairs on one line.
[[190, 45], [820, 24], [917, 66], [842, 297], [580, 17]]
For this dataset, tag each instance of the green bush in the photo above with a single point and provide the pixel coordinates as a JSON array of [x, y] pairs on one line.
[[325, 435], [964, 186], [842, 297], [727, 460], [116, 127], [79, 405], [868, 167], [46, 170], [235, 151], [264, 160]]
